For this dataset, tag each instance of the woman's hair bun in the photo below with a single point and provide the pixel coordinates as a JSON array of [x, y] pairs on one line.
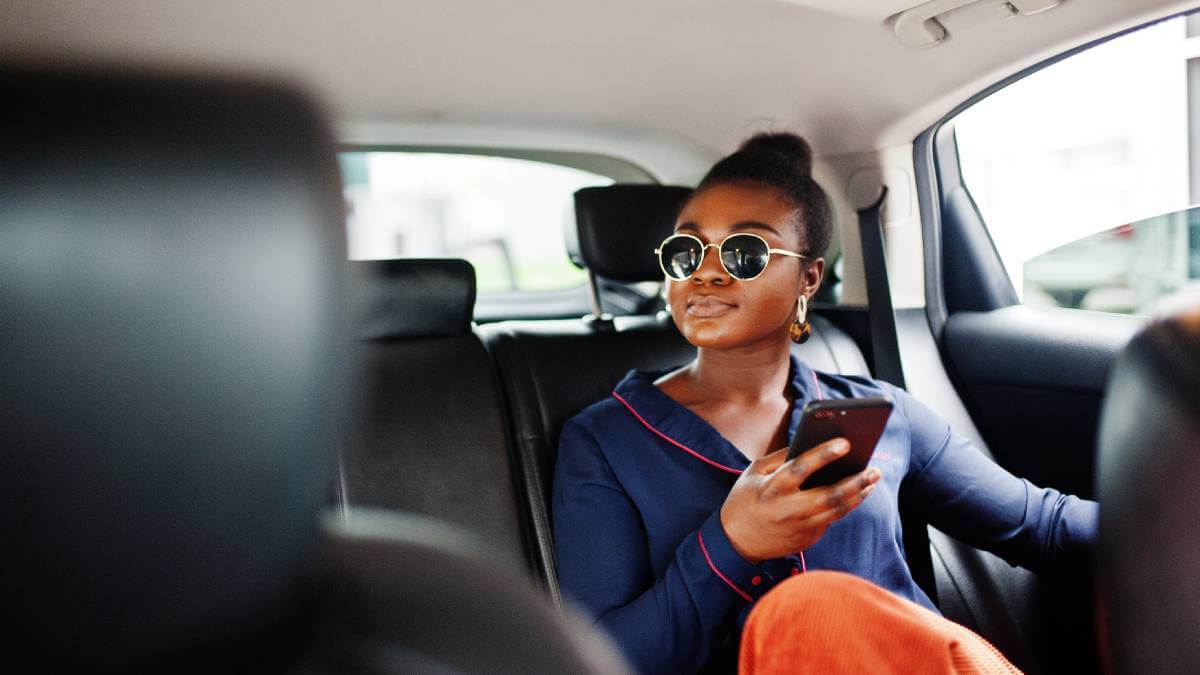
[[790, 145], [783, 162]]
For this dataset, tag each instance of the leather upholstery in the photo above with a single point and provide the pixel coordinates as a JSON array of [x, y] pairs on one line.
[[427, 433], [412, 298], [172, 260], [551, 370], [619, 226], [171, 264], [831, 350], [419, 598], [1149, 464]]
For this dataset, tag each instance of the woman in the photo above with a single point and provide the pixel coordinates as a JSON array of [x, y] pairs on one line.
[[674, 508]]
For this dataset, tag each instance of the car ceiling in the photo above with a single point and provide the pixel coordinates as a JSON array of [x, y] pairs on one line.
[[707, 71]]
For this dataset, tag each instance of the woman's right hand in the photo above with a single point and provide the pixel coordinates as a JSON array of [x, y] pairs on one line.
[[767, 515]]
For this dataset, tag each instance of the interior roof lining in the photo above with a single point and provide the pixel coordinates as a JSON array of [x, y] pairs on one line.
[[828, 69]]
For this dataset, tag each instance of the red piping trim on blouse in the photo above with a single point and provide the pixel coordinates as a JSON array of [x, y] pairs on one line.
[[744, 594], [681, 446], [674, 442]]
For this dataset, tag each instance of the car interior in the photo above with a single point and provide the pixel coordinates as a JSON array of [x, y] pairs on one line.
[[266, 409]]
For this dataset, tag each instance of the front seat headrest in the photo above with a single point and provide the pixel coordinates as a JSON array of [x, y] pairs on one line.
[[412, 298], [1149, 467], [617, 228], [172, 254]]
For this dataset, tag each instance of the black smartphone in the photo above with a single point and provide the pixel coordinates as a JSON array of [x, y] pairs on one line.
[[858, 420]]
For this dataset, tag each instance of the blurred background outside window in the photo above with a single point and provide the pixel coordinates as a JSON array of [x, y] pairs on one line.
[[505, 215], [1085, 172]]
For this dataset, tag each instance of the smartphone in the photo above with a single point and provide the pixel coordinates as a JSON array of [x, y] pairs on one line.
[[858, 420]]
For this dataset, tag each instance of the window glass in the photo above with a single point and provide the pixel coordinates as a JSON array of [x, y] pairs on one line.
[[1139, 268], [506, 216], [1074, 167]]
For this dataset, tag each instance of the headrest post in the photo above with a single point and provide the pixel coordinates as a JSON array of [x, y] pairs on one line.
[[598, 320]]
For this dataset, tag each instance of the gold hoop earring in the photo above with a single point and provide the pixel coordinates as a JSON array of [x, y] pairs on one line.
[[801, 329]]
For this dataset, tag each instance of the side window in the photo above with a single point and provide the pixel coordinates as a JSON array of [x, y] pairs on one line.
[[1085, 172], [505, 215]]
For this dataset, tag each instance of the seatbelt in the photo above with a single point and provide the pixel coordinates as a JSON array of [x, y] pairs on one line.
[[885, 347]]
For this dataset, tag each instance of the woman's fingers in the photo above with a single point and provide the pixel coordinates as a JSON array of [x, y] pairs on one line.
[[792, 474], [828, 504], [771, 461]]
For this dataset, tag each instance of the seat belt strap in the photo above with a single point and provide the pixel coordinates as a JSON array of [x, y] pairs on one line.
[[885, 347]]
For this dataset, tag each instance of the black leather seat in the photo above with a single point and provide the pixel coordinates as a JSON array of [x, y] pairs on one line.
[[553, 369], [1149, 466], [428, 433], [172, 255]]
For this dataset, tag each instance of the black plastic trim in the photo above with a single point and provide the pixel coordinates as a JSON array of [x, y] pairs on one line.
[[1064, 350], [973, 275], [928, 201]]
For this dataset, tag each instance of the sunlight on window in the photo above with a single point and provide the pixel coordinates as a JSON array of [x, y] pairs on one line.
[[506, 216], [1093, 143]]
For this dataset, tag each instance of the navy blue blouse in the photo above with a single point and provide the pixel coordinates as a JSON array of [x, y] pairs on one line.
[[638, 489]]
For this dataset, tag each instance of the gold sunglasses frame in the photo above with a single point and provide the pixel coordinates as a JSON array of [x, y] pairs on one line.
[[704, 251]]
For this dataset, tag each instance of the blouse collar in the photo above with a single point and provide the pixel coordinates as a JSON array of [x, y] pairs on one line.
[[687, 430]]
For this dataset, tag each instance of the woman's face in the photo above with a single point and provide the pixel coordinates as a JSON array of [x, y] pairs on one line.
[[711, 308]]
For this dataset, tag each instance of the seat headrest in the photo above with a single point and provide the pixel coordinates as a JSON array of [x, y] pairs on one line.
[[412, 298], [618, 227], [172, 254], [1149, 463]]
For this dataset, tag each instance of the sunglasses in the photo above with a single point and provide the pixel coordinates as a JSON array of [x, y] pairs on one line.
[[744, 256]]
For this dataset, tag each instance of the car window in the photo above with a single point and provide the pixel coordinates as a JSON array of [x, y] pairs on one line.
[[1084, 172], [505, 215]]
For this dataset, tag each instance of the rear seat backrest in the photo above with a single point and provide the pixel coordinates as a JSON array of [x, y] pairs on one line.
[[172, 268], [427, 432], [553, 369], [1149, 546]]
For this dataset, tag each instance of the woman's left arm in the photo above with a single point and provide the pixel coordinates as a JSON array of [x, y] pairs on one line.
[[977, 501]]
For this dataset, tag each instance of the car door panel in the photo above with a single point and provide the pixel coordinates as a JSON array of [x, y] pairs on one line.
[[1033, 379]]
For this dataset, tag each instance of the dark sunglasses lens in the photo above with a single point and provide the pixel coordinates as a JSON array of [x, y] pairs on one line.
[[744, 256], [680, 257]]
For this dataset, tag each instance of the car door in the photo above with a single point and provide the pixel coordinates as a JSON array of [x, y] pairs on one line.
[[1057, 222]]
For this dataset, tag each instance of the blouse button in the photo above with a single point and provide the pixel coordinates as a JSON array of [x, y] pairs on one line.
[[756, 580]]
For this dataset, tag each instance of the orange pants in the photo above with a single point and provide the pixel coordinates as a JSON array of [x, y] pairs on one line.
[[832, 622]]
